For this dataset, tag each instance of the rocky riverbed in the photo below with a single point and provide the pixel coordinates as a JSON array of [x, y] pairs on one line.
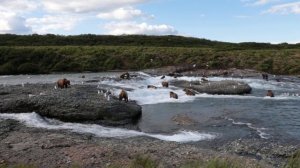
[[54, 148]]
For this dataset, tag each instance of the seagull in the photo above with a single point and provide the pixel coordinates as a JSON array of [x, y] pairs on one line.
[[30, 95], [108, 98], [81, 82], [190, 84], [98, 91], [22, 84], [55, 87], [105, 94]]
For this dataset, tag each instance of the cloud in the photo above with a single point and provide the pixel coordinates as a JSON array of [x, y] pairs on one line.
[[126, 13], [86, 6], [55, 16], [287, 8], [12, 23], [18, 6], [257, 2], [118, 28], [50, 23], [262, 2], [11, 19]]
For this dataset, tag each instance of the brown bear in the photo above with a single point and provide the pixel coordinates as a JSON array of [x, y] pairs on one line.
[[189, 92], [123, 95], [265, 76], [125, 76], [165, 84], [173, 95], [151, 87], [63, 83], [270, 93]]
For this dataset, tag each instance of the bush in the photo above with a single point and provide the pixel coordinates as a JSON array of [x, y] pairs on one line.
[[294, 161], [218, 163], [143, 162], [8, 68], [29, 68]]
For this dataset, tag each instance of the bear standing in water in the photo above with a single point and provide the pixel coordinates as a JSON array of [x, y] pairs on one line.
[[63, 83], [173, 95], [123, 95], [265, 76], [165, 84], [189, 92], [270, 93]]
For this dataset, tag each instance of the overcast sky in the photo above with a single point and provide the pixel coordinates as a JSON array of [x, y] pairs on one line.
[[272, 21]]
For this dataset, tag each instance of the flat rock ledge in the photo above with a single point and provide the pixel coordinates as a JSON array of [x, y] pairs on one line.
[[225, 87], [79, 103]]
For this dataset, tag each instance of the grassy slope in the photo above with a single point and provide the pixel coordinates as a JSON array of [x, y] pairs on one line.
[[136, 52]]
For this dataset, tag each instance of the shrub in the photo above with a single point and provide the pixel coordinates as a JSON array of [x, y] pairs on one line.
[[294, 161], [143, 162], [8, 68], [29, 68]]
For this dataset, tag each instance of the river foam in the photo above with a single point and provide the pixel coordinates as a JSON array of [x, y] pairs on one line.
[[35, 120], [260, 131], [140, 93]]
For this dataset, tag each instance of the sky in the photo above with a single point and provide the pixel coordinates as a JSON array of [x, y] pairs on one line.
[[273, 21]]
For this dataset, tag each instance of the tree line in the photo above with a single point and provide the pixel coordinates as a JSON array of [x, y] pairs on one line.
[[132, 40]]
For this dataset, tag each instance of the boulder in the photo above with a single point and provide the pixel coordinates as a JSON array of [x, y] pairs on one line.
[[77, 104], [225, 87]]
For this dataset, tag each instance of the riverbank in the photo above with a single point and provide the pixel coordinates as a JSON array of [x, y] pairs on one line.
[[57, 148]]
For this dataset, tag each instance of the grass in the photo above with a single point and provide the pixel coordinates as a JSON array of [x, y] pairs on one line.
[[142, 161], [294, 161], [49, 59], [17, 166], [218, 163]]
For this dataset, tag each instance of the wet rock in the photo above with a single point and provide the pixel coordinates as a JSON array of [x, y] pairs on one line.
[[183, 119], [195, 71], [125, 76], [226, 87], [76, 104]]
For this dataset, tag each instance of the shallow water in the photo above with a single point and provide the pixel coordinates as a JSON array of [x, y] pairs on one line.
[[214, 116]]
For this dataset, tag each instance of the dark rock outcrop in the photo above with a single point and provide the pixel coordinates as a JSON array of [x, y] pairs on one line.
[[226, 87], [77, 104]]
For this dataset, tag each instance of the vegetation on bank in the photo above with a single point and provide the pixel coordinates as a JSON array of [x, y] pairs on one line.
[[48, 59], [142, 161], [34, 54]]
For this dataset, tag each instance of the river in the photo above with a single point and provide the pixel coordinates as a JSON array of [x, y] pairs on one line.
[[212, 116]]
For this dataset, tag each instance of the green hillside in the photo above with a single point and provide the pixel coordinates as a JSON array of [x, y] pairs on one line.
[[51, 53]]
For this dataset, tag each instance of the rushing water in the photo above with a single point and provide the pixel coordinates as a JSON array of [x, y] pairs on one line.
[[214, 116]]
